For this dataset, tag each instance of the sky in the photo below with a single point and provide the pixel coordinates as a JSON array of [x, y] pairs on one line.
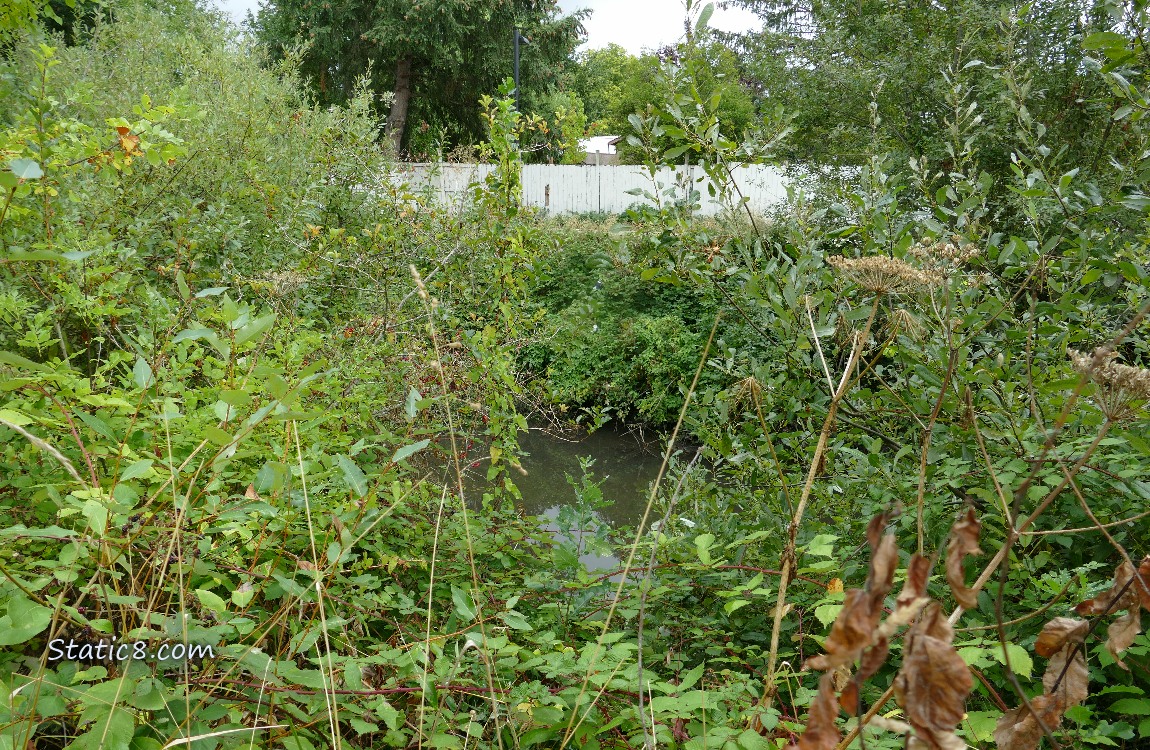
[[634, 24]]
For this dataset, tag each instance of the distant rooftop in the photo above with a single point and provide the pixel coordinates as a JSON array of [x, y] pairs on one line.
[[603, 144]]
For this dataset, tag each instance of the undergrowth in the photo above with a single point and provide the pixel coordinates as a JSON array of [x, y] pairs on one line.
[[235, 350]]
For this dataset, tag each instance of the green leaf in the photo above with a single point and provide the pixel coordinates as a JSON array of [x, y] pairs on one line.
[[182, 285], [464, 607], [735, 604], [703, 544], [412, 407], [15, 360], [242, 598], [297, 742], [212, 601], [211, 291], [97, 514], [826, 613], [409, 450], [704, 17], [353, 475], [255, 328], [822, 545], [136, 470], [515, 620], [1132, 706], [24, 621], [26, 169], [112, 731], [142, 374], [1020, 661], [752, 740]]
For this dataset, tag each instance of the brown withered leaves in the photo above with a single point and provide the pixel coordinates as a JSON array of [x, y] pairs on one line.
[[933, 683], [963, 542], [854, 629], [821, 732], [934, 680], [1066, 680], [1130, 593]]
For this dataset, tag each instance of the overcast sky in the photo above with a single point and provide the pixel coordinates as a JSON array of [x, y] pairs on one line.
[[633, 24]]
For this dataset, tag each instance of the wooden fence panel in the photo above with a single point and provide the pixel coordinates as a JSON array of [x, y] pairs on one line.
[[578, 188]]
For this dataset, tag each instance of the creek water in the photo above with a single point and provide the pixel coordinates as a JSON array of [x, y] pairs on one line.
[[624, 468]]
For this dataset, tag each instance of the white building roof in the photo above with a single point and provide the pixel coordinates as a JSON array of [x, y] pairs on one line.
[[598, 143]]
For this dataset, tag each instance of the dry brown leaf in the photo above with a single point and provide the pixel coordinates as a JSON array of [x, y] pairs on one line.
[[849, 699], [917, 572], [872, 661], [1122, 633], [963, 542], [883, 558], [934, 680], [943, 742], [1018, 729], [856, 626], [1072, 680], [852, 631], [1057, 632], [1122, 595], [821, 732]]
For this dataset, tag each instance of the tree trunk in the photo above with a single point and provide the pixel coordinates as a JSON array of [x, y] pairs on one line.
[[397, 118]]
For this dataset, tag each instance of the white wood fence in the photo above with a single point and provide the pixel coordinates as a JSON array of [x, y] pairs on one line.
[[579, 188]]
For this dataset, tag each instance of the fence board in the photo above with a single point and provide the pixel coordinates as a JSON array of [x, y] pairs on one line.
[[563, 189]]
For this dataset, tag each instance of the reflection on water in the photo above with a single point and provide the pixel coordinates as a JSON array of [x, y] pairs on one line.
[[624, 469]]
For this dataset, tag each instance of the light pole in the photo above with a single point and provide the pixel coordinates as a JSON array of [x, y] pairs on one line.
[[518, 37]]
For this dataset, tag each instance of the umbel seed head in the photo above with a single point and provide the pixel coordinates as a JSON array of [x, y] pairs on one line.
[[1122, 390], [881, 274]]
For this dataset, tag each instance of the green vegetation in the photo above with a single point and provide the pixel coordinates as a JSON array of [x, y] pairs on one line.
[[235, 359], [429, 58]]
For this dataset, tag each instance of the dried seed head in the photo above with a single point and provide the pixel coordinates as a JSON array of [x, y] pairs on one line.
[[884, 275], [944, 255], [904, 321], [746, 390], [1122, 390]]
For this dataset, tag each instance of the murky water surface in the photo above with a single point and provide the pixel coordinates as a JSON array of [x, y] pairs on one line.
[[623, 466]]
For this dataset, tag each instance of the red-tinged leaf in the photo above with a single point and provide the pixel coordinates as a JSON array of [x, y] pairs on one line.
[[1058, 632], [1018, 729], [934, 680], [1122, 633], [821, 732], [963, 542], [1071, 679]]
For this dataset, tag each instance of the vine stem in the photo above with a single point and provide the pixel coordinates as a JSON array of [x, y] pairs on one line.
[[788, 562]]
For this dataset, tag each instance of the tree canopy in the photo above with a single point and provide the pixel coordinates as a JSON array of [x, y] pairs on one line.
[[435, 57]]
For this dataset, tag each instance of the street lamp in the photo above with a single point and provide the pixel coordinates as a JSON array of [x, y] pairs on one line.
[[518, 38]]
